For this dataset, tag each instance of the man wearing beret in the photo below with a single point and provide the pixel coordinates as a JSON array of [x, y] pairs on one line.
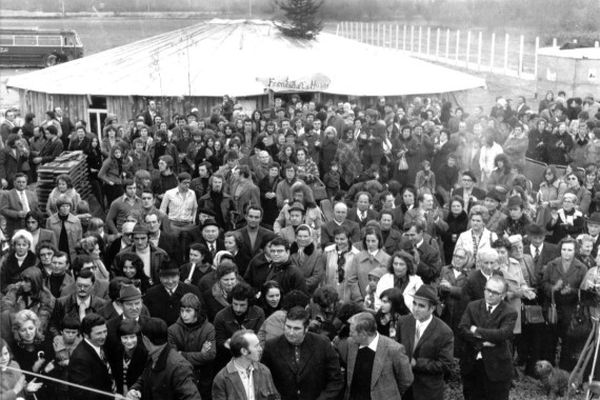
[[429, 344]]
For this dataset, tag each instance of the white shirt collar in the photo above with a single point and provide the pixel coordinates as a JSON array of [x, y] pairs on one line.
[[374, 253], [493, 307], [98, 350], [420, 243], [86, 301], [423, 325], [373, 344], [539, 248]]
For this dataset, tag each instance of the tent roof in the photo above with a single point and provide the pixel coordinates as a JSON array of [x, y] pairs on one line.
[[244, 58]]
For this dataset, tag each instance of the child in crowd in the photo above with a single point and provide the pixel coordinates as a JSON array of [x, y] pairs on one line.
[[64, 344]]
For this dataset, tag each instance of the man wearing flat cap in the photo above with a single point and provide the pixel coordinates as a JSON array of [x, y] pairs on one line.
[[429, 344], [164, 300], [538, 248], [470, 193]]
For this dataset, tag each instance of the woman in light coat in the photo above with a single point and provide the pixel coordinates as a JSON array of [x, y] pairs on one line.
[[402, 275], [478, 237], [336, 271]]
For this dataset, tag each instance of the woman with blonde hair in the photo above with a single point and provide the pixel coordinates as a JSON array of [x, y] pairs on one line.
[[20, 257]]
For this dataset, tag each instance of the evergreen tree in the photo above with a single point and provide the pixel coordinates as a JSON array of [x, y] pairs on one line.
[[300, 18]]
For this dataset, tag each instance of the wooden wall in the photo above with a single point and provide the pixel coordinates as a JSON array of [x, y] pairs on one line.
[[74, 106]]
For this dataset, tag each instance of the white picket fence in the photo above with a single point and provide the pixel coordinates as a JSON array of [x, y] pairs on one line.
[[474, 50]]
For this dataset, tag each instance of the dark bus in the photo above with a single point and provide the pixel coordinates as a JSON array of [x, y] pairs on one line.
[[32, 47]]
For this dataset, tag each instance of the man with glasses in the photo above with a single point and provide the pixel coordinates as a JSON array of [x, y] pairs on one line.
[[121, 243], [180, 204], [487, 327], [152, 256], [84, 261], [468, 191], [78, 304]]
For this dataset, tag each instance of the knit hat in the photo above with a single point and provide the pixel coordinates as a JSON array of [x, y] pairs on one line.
[[515, 239], [210, 222], [296, 206], [594, 218], [495, 195], [378, 272], [22, 233], [128, 293]]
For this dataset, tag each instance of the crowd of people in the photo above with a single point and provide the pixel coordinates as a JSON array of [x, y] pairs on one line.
[[306, 251]]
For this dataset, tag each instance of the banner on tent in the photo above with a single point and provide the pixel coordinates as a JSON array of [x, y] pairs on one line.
[[312, 83]]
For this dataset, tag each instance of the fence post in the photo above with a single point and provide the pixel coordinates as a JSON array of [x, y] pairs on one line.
[[382, 44], [468, 48], [437, 44], [362, 36], [412, 38], [492, 51], [554, 42], [373, 33], [457, 46], [404, 39], [420, 36], [337, 29], [428, 38], [506, 38], [378, 34], [479, 47], [521, 49], [448, 44], [596, 44], [535, 62], [397, 36]]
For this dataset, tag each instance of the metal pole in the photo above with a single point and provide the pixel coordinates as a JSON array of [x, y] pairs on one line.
[[420, 36], [404, 39], [428, 38], [492, 51], [457, 46], [397, 36], [468, 48], [535, 63], [412, 38], [448, 44]]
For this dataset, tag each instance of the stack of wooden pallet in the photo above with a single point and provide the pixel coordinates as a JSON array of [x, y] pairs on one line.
[[71, 163]]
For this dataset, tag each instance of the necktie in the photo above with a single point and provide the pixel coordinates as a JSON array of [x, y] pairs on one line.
[[489, 309], [113, 385], [212, 249], [363, 215], [417, 335], [536, 257], [24, 202], [82, 309]]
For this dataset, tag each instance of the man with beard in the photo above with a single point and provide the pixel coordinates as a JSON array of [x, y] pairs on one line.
[[218, 201], [241, 314]]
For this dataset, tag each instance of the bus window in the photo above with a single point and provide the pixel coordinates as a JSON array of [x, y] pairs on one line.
[[25, 40], [49, 40]]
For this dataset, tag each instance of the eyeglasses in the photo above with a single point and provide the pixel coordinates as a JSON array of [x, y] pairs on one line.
[[493, 292]]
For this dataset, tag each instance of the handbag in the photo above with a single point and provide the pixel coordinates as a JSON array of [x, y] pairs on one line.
[[552, 317], [402, 164], [318, 189], [580, 325], [533, 314]]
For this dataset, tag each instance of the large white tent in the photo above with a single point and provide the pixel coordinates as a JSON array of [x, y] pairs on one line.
[[244, 58]]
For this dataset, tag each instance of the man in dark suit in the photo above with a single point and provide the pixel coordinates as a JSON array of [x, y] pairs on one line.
[[164, 300], [377, 367], [207, 234], [430, 262], [169, 242], [66, 126], [362, 213], [469, 192], [304, 364], [150, 113], [253, 237], [340, 214], [486, 328], [487, 262], [429, 343], [16, 203], [88, 365], [541, 251]]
